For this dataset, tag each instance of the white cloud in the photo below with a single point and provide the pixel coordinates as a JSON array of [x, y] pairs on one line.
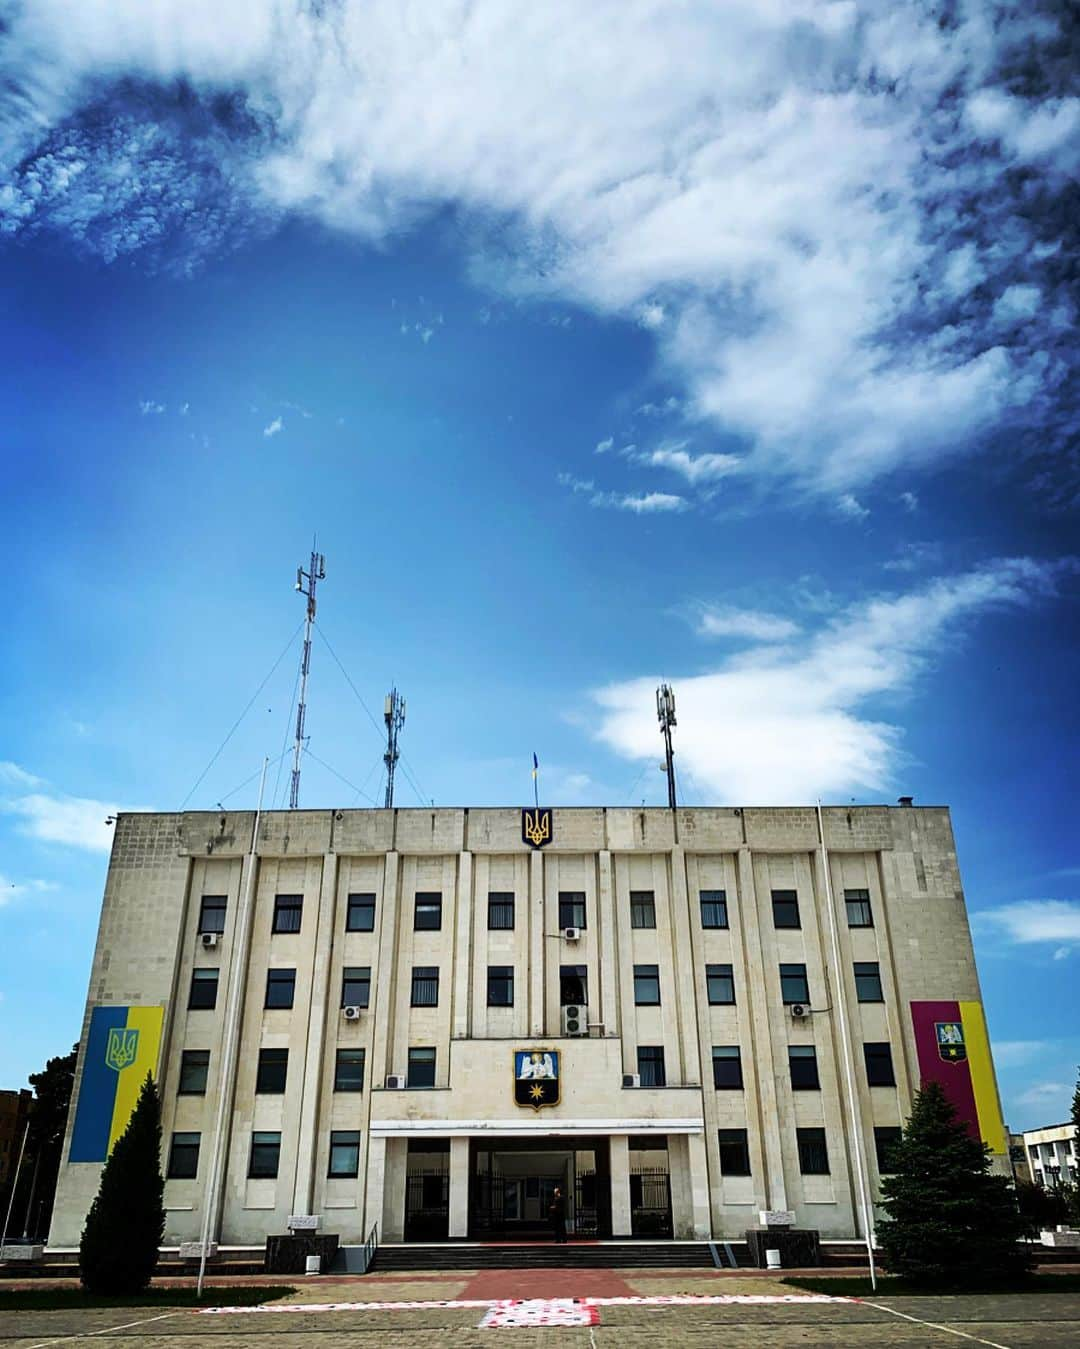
[[697, 469], [909, 500], [14, 775], [273, 428], [10, 889], [851, 506], [1017, 303], [914, 556], [149, 408], [1036, 922], [602, 446], [725, 621], [1043, 1095], [651, 315], [54, 817], [782, 724], [1014, 1053], [640, 503]]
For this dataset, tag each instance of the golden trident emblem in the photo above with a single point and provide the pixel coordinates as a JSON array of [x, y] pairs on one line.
[[536, 827], [122, 1049]]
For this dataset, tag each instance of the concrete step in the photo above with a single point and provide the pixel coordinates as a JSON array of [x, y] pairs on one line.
[[545, 1255]]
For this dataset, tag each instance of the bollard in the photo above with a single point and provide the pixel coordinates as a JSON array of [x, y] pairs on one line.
[[772, 1259]]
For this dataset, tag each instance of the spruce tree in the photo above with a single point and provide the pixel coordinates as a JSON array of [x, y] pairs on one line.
[[119, 1247], [1074, 1189], [951, 1221]]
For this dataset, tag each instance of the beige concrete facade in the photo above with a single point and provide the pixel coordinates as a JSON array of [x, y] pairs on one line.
[[903, 859]]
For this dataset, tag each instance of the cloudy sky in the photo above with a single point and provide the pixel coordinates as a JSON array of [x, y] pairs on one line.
[[724, 343]]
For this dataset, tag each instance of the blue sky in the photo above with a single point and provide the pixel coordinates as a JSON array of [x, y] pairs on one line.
[[731, 346]]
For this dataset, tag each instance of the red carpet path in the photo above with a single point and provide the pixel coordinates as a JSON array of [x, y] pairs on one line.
[[493, 1284]]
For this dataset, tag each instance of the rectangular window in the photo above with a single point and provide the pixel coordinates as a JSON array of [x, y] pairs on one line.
[[857, 903], [280, 988], [713, 908], [785, 908], [212, 913], [720, 983], [734, 1152], [265, 1151], [427, 914], [421, 1067], [885, 1140], [500, 911], [802, 1063], [650, 1065], [203, 994], [288, 913], [349, 1070], [360, 916], [573, 985], [344, 1153], [500, 985], [194, 1068], [647, 985], [813, 1152], [425, 986], [571, 908], [868, 981], [727, 1067], [793, 985], [879, 1069], [183, 1157], [356, 986], [272, 1071], [642, 908]]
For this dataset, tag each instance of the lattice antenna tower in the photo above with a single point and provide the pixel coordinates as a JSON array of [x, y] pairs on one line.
[[665, 712], [306, 581], [394, 716]]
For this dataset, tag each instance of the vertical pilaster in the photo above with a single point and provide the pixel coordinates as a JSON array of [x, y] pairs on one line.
[[698, 1182], [609, 968], [537, 943], [463, 948], [376, 1184], [384, 979], [685, 979], [459, 1187], [619, 1163]]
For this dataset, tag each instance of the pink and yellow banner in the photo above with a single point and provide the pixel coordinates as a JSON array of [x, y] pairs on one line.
[[954, 1051]]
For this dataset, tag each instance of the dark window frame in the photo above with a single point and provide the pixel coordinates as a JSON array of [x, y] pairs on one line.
[[813, 1148], [877, 1056], [360, 906], [500, 978], [356, 986], [351, 1056], [285, 906], [643, 909], [430, 1057], [201, 978], [646, 982], [805, 1077], [868, 985], [713, 904], [785, 906], [271, 1071], [572, 909], [886, 1137], [265, 1144], [722, 1054], [215, 906], [718, 980], [193, 1063], [183, 1161], [424, 987], [567, 975], [500, 905], [275, 978], [651, 1065], [794, 970], [427, 911], [857, 904], [347, 1142], [734, 1148]]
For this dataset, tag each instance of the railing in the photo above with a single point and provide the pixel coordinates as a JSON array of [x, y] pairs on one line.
[[370, 1247]]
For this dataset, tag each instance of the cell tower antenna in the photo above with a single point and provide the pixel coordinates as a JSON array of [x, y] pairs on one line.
[[306, 582], [665, 711], [394, 716]]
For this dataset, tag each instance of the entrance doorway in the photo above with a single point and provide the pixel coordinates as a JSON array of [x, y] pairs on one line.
[[512, 1181], [650, 1188], [427, 1190]]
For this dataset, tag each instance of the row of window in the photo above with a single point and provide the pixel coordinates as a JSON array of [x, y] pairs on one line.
[[803, 1066], [427, 910], [573, 985], [812, 1146], [272, 1071]]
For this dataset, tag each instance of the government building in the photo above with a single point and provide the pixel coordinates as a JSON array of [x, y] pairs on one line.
[[427, 1019]]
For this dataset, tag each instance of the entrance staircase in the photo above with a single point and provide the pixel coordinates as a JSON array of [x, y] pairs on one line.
[[544, 1255]]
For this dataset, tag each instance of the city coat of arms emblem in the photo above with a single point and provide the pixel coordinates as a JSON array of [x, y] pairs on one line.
[[536, 1077], [121, 1049], [950, 1041]]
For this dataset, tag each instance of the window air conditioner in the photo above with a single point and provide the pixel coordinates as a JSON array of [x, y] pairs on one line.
[[571, 933], [210, 939], [395, 1081], [631, 1079], [351, 1012], [575, 1020], [799, 1011]]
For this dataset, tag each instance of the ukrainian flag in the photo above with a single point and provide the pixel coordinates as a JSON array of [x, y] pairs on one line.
[[121, 1048]]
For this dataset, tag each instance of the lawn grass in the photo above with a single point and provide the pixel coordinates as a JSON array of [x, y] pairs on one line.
[[73, 1299], [859, 1286]]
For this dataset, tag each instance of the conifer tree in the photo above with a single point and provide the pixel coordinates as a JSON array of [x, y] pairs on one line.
[[1074, 1191], [119, 1247], [951, 1221]]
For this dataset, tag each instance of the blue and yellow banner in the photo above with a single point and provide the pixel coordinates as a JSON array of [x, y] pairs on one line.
[[121, 1048]]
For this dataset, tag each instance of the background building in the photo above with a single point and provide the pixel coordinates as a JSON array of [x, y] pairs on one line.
[[1052, 1155], [376, 974]]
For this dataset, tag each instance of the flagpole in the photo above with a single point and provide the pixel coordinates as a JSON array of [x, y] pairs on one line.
[[536, 781]]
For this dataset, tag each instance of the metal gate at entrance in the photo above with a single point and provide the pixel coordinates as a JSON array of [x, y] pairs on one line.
[[427, 1191], [513, 1180]]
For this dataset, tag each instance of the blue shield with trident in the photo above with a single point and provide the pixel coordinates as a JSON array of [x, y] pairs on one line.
[[122, 1048]]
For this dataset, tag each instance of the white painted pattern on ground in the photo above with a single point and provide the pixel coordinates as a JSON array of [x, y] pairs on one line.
[[936, 1325], [539, 1311], [109, 1330], [644, 1300]]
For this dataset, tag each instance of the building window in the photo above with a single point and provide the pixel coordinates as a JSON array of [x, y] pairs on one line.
[[857, 903], [720, 983], [571, 908], [349, 1070], [573, 985], [500, 985], [785, 908], [356, 986], [272, 1071], [885, 1140], [203, 993], [194, 1068], [212, 913], [727, 1067], [793, 985], [280, 988], [288, 913], [647, 985], [868, 981], [344, 1153], [879, 1069], [360, 916], [183, 1157], [500, 911], [425, 986], [713, 908], [813, 1152], [734, 1152], [650, 1065], [642, 908], [265, 1151], [802, 1063], [421, 1068], [427, 915]]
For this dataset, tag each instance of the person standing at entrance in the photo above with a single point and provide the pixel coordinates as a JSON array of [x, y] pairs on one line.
[[557, 1214]]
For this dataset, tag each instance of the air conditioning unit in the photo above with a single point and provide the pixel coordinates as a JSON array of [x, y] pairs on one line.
[[631, 1079], [351, 1012], [395, 1081], [799, 1011], [575, 1020], [211, 939], [571, 934]]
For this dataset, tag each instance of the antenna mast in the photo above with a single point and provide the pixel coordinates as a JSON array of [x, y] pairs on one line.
[[316, 573], [665, 711], [394, 716]]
